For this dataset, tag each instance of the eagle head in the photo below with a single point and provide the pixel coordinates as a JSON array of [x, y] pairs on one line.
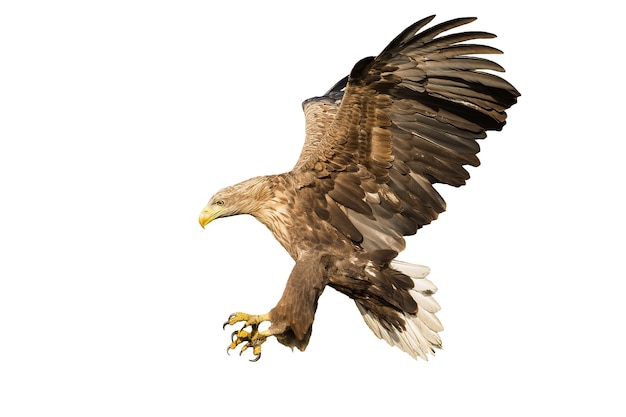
[[244, 198]]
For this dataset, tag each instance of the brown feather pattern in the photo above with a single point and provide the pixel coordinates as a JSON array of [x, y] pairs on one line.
[[375, 144], [420, 105]]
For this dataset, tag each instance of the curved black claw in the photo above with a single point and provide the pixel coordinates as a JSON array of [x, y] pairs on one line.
[[256, 358], [227, 322], [233, 335]]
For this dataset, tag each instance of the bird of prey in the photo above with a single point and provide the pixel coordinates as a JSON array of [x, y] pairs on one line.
[[375, 144]]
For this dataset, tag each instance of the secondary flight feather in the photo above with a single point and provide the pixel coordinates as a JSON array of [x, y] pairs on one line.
[[375, 144]]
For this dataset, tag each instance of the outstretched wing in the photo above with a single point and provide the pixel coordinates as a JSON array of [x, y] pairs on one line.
[[409, 118]]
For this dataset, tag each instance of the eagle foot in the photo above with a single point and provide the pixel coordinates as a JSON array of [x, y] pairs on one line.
[[253, 338]]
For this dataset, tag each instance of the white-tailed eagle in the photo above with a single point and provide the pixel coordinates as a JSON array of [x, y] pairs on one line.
[[375, 144]]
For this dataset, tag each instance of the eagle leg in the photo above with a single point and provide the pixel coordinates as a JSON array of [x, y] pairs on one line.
[[253, 338]]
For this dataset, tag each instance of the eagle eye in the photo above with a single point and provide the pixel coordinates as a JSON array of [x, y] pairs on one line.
[[219, 203]]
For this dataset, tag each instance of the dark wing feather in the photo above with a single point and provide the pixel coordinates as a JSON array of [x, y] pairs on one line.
[[408, 118]]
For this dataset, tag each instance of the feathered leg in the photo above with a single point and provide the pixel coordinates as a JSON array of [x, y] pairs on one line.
[[291, 321]]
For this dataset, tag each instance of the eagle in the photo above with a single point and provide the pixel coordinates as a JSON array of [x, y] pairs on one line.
[[375, 145]]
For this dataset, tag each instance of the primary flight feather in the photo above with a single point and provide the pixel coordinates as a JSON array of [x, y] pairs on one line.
[[375, 144]]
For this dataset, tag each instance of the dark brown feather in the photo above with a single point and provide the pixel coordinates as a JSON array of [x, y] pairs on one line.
[[414, 111]]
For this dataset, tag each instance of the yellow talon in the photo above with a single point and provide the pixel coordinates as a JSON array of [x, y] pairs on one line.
[[253, 338]]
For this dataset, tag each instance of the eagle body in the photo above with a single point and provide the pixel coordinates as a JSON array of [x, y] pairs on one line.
[[375, 144]]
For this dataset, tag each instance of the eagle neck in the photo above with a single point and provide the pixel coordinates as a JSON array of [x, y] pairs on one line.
[[275, 212]]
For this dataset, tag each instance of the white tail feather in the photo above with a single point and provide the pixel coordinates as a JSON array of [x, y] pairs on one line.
[[412, 270], [420, 336]]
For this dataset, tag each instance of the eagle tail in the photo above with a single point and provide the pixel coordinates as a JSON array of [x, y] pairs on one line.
[[417, 333]]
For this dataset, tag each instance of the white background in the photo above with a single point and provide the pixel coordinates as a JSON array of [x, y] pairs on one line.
[[118, 121]]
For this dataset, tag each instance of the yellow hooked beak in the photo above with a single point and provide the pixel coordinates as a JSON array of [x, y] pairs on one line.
[[207, 215]]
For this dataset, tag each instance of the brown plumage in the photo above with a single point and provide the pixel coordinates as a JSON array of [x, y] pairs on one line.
[[375, 145]]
